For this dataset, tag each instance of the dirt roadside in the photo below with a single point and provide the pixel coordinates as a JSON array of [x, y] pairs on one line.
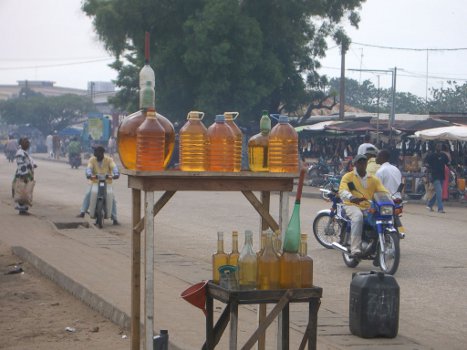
[[34, 314]]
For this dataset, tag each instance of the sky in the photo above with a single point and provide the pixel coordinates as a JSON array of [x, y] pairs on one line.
[[53, 40]]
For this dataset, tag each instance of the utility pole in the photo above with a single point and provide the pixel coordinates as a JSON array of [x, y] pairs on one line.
[[342, 86], [393, 108]]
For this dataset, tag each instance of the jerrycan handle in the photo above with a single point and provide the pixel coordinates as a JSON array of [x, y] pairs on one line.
[[234, 114], [195, 114]]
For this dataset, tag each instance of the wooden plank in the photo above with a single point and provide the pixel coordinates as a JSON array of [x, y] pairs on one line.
[[207, 174], [135, 272], [149, 272], [215, 335], [233, 325], [268, 320], [262, 308], [209, 184], [163, 200], [261, 210]]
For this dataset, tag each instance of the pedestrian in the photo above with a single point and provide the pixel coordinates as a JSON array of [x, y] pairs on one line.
[[23, 183], [436, 163], [56, 146], [366, 143], [372, 166], [49, 145], [111, 146]]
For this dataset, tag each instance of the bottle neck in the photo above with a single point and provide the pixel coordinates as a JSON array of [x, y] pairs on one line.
[[220, 245], [234, 244], [303, 248], [269, 244], [248, 248]]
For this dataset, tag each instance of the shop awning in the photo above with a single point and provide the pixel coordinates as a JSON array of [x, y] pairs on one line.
[[453, 133]]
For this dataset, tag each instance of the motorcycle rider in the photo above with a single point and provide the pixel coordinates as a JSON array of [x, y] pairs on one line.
[[102, 165], [356, 200], [74, 149], [391, 178]]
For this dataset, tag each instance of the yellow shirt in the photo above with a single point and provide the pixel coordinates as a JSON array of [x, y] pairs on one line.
[[364, 188], [101, 168]]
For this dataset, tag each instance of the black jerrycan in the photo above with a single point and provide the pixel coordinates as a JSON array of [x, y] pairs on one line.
[[374, 305]]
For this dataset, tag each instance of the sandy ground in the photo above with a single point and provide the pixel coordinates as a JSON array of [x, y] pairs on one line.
[[34, 314]]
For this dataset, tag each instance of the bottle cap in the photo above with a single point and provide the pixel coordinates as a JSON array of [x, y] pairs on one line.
[[283, 119], [220, 118]]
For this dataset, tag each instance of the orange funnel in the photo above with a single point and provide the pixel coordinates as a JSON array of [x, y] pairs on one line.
[[196, 295]]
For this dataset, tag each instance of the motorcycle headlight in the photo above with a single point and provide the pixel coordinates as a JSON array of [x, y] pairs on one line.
[[387, 210]]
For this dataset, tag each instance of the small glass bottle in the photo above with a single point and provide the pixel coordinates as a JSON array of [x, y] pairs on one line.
[[306, 263], [219, 259], [234, 254], [277, 242], [283, 147], [268, 266], [150, 143], [193, 143], [258, 146], [262, 244], [220, 146], [238, 142], [247, 264]]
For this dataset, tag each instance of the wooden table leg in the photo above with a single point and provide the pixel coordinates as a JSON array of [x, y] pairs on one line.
[[313, 308], [285, 327], [135, 272], [149, 272], [209, 323], [233, 325]]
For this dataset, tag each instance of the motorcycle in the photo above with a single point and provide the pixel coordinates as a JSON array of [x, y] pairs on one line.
[[74, 159], [332, 182], [101, 199], [316, 172], [380, 237]]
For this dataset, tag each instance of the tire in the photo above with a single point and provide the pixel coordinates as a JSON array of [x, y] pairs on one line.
[[390, 258], [326, 234], [99, 213], [350, 262]]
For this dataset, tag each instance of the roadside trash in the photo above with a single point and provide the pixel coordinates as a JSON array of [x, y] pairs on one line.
[[95, 329], [70, 329], [14, 269], [161, 341], [124, 336]]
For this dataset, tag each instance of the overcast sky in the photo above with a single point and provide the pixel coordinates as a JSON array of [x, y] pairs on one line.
[[53, 40]]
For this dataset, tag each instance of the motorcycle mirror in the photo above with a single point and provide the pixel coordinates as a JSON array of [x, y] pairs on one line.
[[351, 186]]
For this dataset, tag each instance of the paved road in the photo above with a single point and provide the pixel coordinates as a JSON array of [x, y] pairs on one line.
[[432, 275]]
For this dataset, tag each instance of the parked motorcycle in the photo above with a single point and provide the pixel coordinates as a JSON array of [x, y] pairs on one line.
[[380, 238], [101, 200], [316, 172], [74, 159]]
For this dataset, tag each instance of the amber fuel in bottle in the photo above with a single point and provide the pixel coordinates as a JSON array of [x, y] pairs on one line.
[[150, 143], [219, 258], [193, 143], [306, 263]]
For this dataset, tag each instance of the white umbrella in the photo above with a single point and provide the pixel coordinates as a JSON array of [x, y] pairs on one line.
[[453, 133], [318, 126]]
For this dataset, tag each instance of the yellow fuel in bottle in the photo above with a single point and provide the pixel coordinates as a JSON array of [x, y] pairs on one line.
[[193, 143]]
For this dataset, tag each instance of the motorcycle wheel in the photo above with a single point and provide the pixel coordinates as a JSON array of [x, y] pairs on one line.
[[350, 262], [390, 257], [99, 213], [326, 230]]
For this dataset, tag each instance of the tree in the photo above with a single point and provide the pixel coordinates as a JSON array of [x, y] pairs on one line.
[[215, 55], [452, 99], [45, 113]]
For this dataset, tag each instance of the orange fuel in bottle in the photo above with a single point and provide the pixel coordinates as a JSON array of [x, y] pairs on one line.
[[230, 121], [150, 141], [283, 147], [220, 146]]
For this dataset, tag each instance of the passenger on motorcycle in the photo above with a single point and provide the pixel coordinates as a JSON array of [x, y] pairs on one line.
[[391, 178], [357, 200], [102, 165]]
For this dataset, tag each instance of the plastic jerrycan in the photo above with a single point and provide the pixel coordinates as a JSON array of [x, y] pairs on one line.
[[374, 305], [230, 121], [193, 143], [126, 138], [150, 142], [220, 146], [283, 147]]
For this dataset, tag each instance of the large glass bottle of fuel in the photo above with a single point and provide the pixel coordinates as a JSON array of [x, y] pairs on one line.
[[230, 121], [220, 146], [258, 145], [150, 142], [268, 265], [193, 143], [247, 264], [283, 147], [126, 135], [219, 258], [306, 263]]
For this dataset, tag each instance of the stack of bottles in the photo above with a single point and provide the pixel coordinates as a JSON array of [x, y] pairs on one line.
[[266, 269]]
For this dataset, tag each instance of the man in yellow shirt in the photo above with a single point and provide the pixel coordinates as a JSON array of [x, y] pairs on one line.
[[356, 199], [102, 165]]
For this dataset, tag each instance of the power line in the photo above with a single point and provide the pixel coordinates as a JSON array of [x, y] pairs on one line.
[[410, 48], [55, 65]]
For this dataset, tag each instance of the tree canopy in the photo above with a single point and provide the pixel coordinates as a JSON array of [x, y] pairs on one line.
[[215, 55], [45, 113]]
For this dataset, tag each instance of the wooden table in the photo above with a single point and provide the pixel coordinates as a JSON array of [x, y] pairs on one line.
[[281, 298], [170, 182]]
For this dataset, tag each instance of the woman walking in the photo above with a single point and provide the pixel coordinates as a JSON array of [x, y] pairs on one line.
[[23, 184]]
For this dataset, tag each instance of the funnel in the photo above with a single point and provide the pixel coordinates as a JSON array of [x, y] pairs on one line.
[[196, 295]]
